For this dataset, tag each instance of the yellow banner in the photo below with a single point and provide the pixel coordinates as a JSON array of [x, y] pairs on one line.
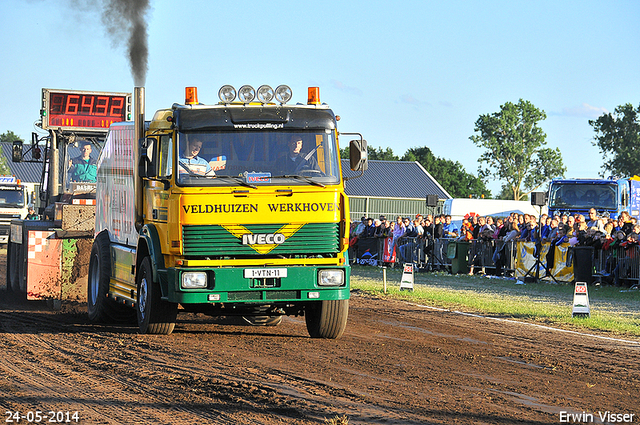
[[257, 208], [526, 261], [560, 270]]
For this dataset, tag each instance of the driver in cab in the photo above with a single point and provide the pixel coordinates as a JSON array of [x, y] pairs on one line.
[[84, 168], [190, 162], [294, 161]]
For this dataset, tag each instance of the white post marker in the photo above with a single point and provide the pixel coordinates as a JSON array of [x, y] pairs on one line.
[[581, 301], [407, 277], [384, 278]]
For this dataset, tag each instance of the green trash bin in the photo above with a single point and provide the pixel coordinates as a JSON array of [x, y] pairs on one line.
[[458, 253]]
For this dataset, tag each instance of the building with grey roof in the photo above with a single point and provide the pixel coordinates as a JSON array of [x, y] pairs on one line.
[[28, 172], [392, 188]]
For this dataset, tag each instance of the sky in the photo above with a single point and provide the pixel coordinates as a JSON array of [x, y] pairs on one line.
[[404, 74]]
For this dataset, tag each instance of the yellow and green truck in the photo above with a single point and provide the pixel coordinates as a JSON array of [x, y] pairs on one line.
[[230, 209]]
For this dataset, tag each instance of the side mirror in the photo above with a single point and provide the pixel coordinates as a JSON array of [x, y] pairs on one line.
[[16, 153], [147, 164], [358, 155]]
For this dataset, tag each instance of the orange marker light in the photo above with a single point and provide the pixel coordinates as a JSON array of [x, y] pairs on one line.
[[191, 96], [314, 96]]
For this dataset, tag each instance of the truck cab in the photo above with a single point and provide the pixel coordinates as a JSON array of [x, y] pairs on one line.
[[14, 202], [577, 196]]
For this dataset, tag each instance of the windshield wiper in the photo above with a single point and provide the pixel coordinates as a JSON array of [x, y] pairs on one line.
[[236, 179], [305, 178]]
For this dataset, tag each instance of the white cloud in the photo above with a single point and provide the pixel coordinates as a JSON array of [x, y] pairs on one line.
[[413, 101], [344, 88], [584, 111], [407, 98]]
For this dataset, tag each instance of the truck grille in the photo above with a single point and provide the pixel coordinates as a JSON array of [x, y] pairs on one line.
[[311, 239]]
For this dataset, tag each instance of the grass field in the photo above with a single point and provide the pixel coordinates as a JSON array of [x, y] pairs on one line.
[[614, 310]]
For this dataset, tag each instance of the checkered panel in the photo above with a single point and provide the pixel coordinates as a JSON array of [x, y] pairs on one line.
[[38, 242]]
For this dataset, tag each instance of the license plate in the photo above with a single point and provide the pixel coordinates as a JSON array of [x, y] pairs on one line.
[[264, 273]]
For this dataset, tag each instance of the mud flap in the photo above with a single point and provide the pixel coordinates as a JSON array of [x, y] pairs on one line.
[[57, 269], [43, 265]]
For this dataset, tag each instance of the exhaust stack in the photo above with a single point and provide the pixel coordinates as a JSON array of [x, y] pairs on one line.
[[138, 99]]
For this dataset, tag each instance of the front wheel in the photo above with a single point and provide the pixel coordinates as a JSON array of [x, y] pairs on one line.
[[155, 316], [327, 319]]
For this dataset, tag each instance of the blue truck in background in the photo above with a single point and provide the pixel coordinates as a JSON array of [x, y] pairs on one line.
[[609, 197]]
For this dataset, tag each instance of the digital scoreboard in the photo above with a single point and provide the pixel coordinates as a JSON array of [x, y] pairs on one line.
[[83, 110]]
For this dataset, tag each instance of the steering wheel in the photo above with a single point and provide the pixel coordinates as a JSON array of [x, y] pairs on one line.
[[310, 172]]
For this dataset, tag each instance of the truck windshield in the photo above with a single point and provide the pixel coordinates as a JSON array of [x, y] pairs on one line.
[[12, 198], [80, 166], [601, 196], [232, 158]]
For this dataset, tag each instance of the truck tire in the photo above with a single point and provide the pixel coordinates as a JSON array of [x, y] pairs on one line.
[[326, 319], [11, 264], [100, 307], [14, 263], [155, 316]]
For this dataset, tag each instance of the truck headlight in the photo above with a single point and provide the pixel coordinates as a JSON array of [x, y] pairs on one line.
[[191, 280], [283, 94], [265, 94], [330, 278], [227, 94], [246, 94]]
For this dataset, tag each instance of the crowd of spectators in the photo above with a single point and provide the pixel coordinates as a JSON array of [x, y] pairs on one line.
[[604, 234]]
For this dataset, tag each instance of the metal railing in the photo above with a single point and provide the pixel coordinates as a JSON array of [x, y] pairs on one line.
[[432, 254], [619, 263]]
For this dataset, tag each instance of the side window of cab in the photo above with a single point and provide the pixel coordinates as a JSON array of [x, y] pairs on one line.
[[165, 160]]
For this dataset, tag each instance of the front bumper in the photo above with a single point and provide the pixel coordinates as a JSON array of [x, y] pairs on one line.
[[228, 285]]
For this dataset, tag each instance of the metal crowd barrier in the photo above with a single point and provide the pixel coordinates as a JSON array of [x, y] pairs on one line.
[[440, 259], [424, 253], [482, 252], [626, 263], [602, 262], [621, 263], [410, 250], [431, 254]]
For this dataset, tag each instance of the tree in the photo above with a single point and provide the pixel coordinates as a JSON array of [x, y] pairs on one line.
[[373, 153], [9, 136], [618, 138], [451, 175], [514, 151]]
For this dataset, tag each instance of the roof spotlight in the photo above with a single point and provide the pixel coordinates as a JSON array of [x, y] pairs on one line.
[[283, 94], [265, 94], [246, 94], [227, 93]]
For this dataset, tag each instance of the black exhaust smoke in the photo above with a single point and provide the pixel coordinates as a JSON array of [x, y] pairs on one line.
[[126, 20]]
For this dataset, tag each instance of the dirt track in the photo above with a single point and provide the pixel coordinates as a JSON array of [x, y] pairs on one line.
[[396, 364]]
